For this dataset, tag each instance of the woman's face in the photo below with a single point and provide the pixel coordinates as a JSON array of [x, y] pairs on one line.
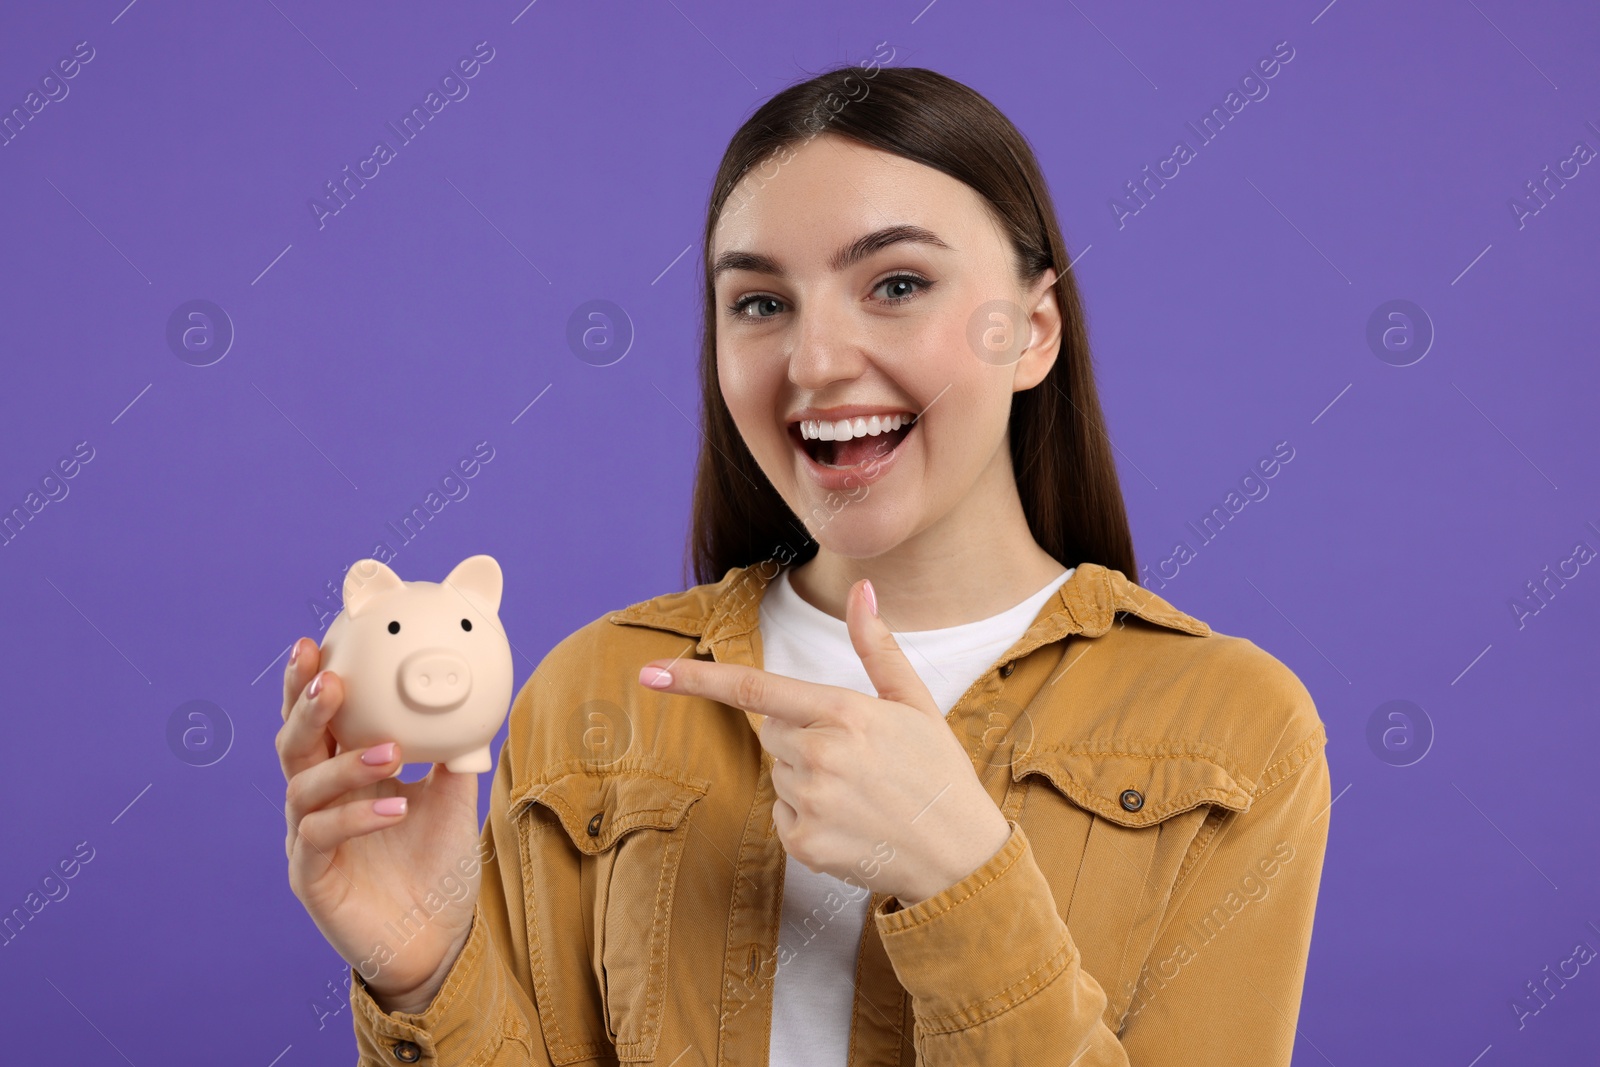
[[852, 283]]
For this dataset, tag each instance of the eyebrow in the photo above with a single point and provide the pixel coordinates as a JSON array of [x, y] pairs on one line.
[[847, 256]]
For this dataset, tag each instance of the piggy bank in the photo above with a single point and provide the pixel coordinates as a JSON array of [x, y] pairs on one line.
[[425, 664]]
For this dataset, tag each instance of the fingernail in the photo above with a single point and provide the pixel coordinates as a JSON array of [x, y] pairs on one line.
[[316, 685], [390, 806], [378, 754], [294, 653], [654, 677], [872, 598]]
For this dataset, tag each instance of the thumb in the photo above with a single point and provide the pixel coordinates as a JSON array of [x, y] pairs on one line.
[[891, 673]]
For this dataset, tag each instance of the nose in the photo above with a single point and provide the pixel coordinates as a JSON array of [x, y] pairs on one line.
[[435, 680], [825, 348]]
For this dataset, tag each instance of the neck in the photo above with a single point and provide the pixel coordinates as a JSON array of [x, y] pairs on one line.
[[976, 561]]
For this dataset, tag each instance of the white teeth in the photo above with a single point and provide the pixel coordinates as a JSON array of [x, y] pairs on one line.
[[845, 429]]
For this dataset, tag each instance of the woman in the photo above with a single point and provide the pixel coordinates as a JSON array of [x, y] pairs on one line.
[[916, 773]]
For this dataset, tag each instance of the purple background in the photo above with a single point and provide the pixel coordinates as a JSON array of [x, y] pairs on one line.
[[373, 353]]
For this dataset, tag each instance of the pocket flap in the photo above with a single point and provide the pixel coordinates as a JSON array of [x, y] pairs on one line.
[[1138, 785], [597, 807]]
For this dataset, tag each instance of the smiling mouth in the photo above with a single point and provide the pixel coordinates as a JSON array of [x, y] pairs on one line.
[[870, 440]]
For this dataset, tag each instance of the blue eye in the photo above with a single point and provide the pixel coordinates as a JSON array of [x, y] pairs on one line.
[[901, 278], [738, 306]]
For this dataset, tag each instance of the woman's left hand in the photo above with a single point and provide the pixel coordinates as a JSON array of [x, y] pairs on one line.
[[873, 790]]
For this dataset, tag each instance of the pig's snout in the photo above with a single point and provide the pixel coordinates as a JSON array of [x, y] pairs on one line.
[[435, 679]]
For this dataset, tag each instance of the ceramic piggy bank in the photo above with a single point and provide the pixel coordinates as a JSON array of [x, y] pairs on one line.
[[425, 664]]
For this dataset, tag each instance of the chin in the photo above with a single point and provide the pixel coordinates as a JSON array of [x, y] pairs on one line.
[[860, 529]]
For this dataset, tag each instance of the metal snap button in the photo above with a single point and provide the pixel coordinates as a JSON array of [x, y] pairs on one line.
[[1005, 672], [594, 824], [407, 1051], [1132, 800]]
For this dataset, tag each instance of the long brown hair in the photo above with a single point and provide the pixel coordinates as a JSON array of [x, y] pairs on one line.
[[1059, 447]]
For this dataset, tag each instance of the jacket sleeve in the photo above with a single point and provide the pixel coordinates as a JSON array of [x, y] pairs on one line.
[[995, 977], [484, 1015]]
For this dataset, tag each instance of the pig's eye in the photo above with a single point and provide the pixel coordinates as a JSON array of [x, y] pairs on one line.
[[466, 624], [394, 627]]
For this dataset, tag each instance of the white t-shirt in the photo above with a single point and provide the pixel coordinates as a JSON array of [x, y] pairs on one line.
[[823, 916]]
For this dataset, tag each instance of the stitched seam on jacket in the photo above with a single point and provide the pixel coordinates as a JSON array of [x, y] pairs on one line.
[[1184, 750], [1144, 890], [1208, 830], [898, 923], [860, 997], [630, 772], [1149, 816], [855, 1007], [1292, 761], [1202, 857], [399, 1026], [1128, 591], [1201, 850], [690, 627], [1003, 1001], [542, 987], [746, 837], [531, 795], [659, 921], [487, 1053], [985, 683], [1175, 620], [623, 823], [620, 825]]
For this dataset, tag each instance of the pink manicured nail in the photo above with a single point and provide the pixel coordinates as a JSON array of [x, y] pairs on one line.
[[294, 653], [378, 754], [654, 677], [390, 806], [316, 685], [872, 598]]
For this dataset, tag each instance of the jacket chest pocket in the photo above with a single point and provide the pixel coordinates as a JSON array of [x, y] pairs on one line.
[[1131, 817], [600, 855]]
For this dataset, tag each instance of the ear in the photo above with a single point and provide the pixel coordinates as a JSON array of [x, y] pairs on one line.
[[1045, 341], [366, 579], [479, 575]]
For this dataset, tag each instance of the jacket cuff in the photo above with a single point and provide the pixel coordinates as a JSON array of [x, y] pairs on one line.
[[452, 1027], [980, 947]]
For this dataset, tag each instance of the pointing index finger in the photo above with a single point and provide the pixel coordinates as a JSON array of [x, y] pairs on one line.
[[790, 700]]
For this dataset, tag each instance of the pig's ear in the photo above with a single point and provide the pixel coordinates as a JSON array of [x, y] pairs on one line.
[[479, 575], [365, 579]]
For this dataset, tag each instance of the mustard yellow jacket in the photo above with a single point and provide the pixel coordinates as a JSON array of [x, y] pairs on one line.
[[1168, 796]]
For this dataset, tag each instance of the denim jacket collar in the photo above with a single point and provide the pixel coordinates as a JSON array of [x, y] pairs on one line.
[[1086, 604], [724, 616]]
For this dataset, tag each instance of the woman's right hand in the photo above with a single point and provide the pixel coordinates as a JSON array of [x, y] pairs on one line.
[[366, 850]]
